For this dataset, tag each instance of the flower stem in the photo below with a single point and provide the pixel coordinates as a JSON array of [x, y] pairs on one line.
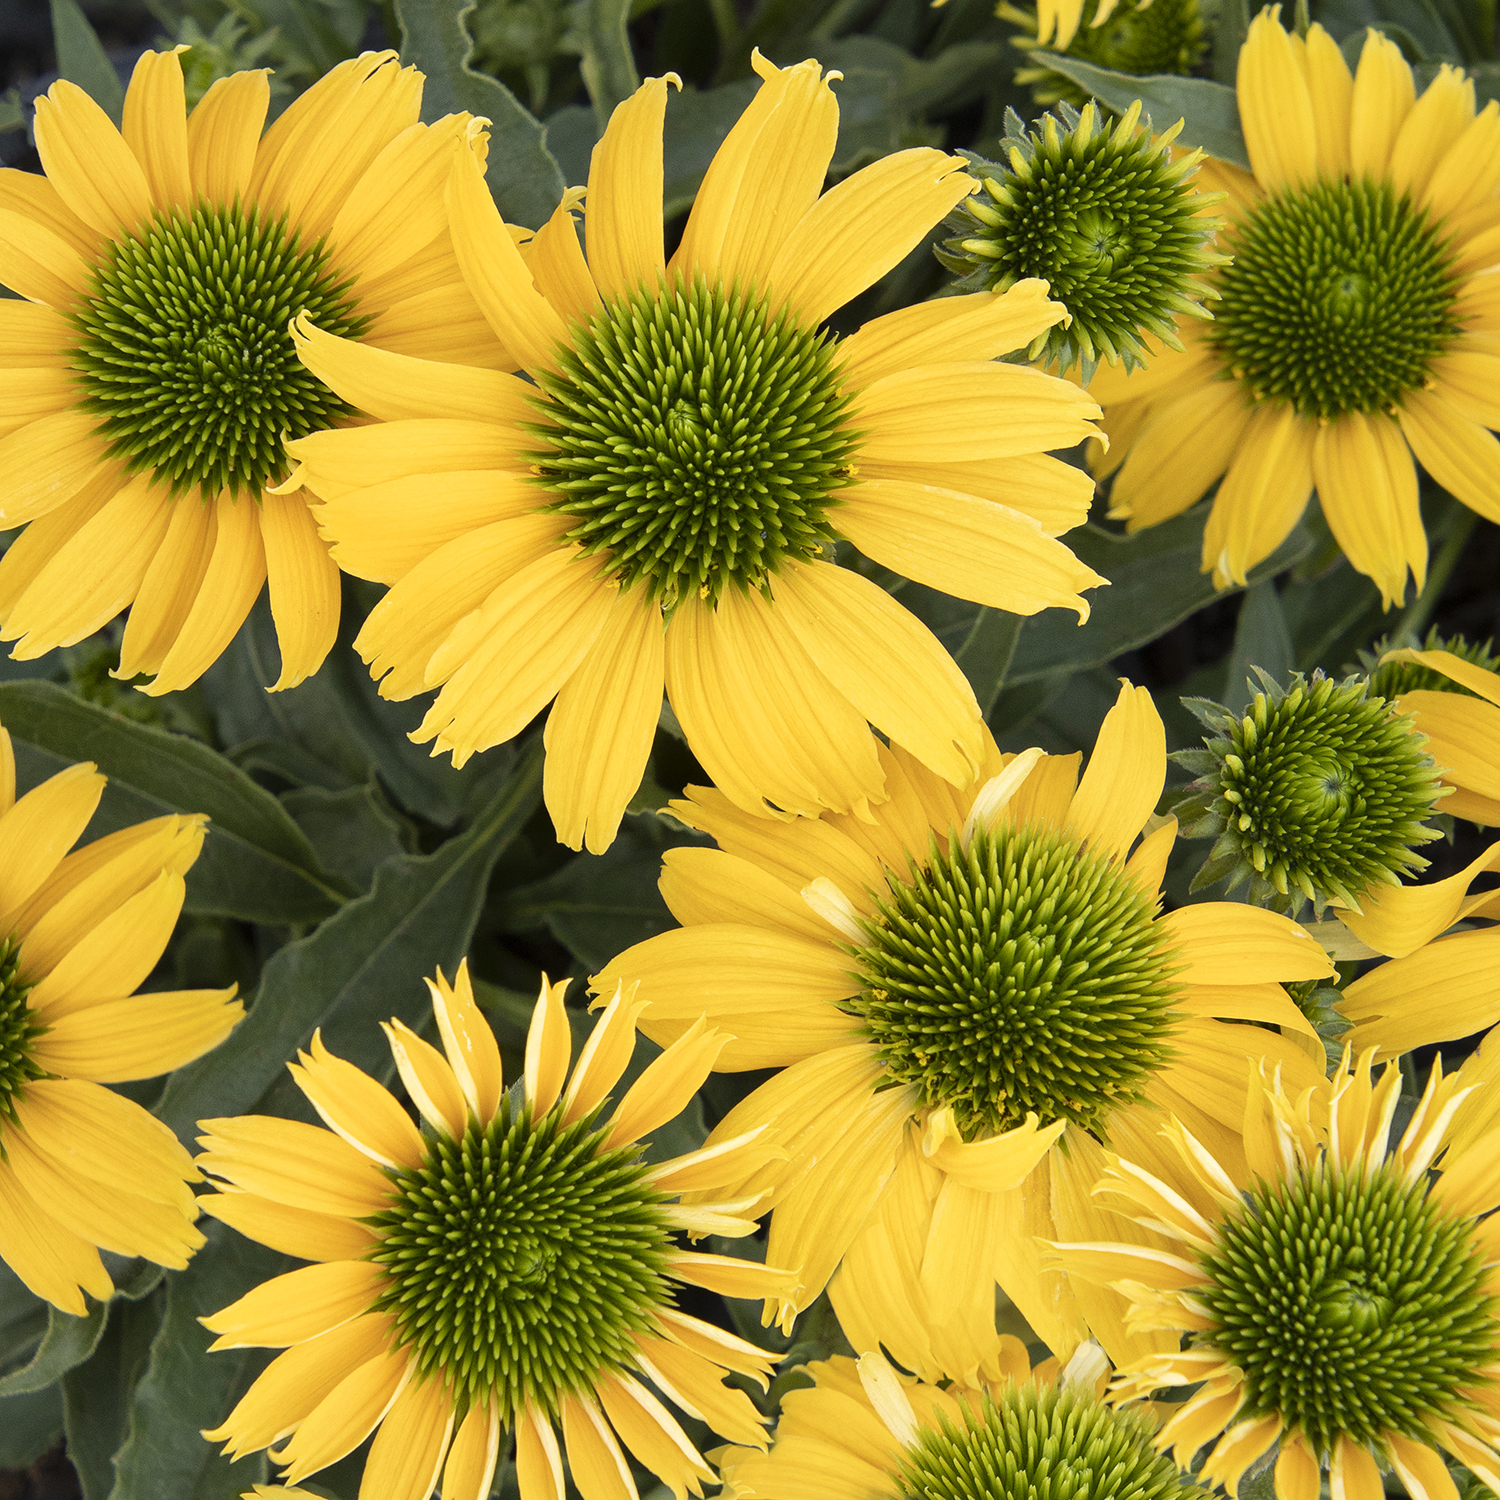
[[1421, 610]]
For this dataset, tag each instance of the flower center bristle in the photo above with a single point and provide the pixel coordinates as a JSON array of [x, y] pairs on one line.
[[522, 1259], [697, 438], [185, 350], [1026, 974], [1048, 1444], [19, 1028], [1163, 36], [1339, 298], [1393, 678], [1352, 1304]]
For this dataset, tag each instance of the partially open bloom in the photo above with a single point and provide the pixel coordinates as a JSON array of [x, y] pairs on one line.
[[1355, 335], [500, 1274], [83, 1169], [966, 996], [1337, 1299], [149, 376], [1013, 1434], [659, 508]]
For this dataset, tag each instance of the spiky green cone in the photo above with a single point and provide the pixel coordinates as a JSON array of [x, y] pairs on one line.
[[1317, 793], [1393, 678], [1105, 217]]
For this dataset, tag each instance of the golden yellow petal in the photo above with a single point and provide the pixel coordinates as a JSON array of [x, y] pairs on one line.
[[354, 1106], [1384, 93], [296, 1306], [51, 1261], [142, 1036], [407, 1455], [155, 129], [223, 134], [39, 829], [289, 1162], [1125, 775], [1276, 107], [304, 586], [624, 200], [87, 161], [173, 580], [293, 1231]]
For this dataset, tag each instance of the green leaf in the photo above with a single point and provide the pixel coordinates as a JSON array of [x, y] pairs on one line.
[[68, 1342], [353, 831], [29, 1426], [361, 967], [987, 652], [12, 116], [607, 65], [599, 904], [523, 175], [1261, 639], [23, 1320], [97, 1395], [1155, 581], [185, 1389], [1229, 36], [256, 865], [1209, 110], [81, 58]]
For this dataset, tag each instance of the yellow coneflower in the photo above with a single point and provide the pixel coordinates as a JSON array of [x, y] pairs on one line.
[[150, 379], [659, 508], [83, 1169], [1335, 1300], [498, 1275], [952, 991], [1355, 334], [866, 1433]]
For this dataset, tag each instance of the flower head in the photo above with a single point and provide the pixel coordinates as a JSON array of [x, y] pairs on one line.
[[499, 1274], [1013, 1434], [1317, 792], [1337, 1299], [657, 507], [964, 996], [1354, 333], [158, 381], [1107, 215], [83, 1169]]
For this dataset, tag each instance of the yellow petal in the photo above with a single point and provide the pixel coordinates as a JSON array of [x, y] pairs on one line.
[[36, 199], [1436, 120], [766, 724], [297, 1306], [696, 1385], [407, 1455], [51, 1261], [1240, 1446], [1263, 495], [1461, 455], [523, 320], [468, 1042], [982, 325], [1148, 865], [1441, 992], [35, 262], [557, 265], [667, 1085], [599, 734], [1353, 1474], [333, 463], [470, 1469], [650, 1433], [1463, 737], [1468, 172], [39, 829], [1384, 93], [346, 1416], [304, 584], [142, 1036], [223, 133], [1226, 942], [504, 663], [858, 231], [1054, 494], [1397, 920], [357, 1108], [1298, 1474], [1276, 108], [94, 574], [45, 464], [170, 587], [29, 394], [293, 1231], [292, 1163], [234, 576], [994, 1165], [595, 1461], [625, 188], [1331, 89], [428, 1079], [1469, 381], [1244, 1002], [32, 336], [155, 128], [964, 546], [539, 1472], [1421, 1468], [604, 1057], [1125, 775], [87, 161], [709, 885], [548, 1047], [1486, 684]]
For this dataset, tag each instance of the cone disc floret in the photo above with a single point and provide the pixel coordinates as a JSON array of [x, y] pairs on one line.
[[1339, 298], [1351, 1303], [184, 349], [1105, 216], [19, 1027], [1040, 1443], [697, 437], [1393, 678], [522, 1259], [1024, 973], [1316, 792]]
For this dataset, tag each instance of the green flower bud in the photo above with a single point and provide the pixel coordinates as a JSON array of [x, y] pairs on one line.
[[1394, 678]]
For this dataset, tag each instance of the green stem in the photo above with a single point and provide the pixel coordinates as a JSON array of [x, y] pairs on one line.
[[727, 24], [1419, 613], [840, 15]]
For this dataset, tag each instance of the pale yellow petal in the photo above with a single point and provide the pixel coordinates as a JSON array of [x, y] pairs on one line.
[[304, 586], [1276, 107], [1263, 495], [223, 133], [1125, 775], [1384, 93], [170, 587], [155, 129], [623, 217], [87, 161], [1461, 455], [142, 1036]]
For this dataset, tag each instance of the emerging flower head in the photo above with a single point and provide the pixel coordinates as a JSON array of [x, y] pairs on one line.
[[152, 377], [949, 990], [1106, 217], [500, 1274], [1014, 1434], [1337, 1298], [658, 509], [1316, 792], [1355, 329], [83, 1169]]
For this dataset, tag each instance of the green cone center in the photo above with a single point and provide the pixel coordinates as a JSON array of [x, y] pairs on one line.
[[1325, 791], [1047, 1444], [185, 354], [1024, 974], [697, 438], [523, 1259], [1162, 36], [1393, 678], [19, 1028], [1340, 297], [1352, 1304]]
